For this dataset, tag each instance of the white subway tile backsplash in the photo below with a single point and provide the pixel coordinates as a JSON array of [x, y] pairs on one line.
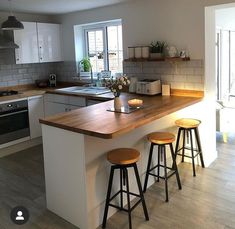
[[181, 75], [198, 71], [12, 83], [177, 85], [179, 78], [15, 74]]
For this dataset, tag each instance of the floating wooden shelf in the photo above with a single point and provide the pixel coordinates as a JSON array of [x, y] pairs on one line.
[[158, 59]]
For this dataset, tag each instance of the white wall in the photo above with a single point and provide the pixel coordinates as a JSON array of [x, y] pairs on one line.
[[180, 23], [28, 17], [225, 18]]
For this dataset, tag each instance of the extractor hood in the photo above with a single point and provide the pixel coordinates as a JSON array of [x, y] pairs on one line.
[[6, 41]]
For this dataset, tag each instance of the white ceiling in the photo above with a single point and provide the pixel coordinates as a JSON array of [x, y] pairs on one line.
[[54, 6]]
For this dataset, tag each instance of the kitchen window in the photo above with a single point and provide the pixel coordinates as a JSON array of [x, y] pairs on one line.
[[103, 46]]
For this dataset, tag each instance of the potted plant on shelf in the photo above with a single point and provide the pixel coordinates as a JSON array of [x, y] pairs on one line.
[[157, 49], [116, 85]]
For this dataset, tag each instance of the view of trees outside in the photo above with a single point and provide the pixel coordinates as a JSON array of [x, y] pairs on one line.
[[115, 49], [104, 54]]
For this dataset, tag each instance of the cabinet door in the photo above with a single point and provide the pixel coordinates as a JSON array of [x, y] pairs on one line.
[[28, 44], [36, 111], [49, 42], [71, 107], [55, 108]]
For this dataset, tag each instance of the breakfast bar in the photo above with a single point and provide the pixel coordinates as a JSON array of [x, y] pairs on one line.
[[75, 146]]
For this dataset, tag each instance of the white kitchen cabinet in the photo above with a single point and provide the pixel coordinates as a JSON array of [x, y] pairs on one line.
[[38, 43], [49, 42], [27, 41], [36, 111], [52, 108], [55, 104]]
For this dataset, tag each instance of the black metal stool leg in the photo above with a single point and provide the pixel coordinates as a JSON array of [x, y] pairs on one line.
[[141, 192], [191, 143], [199, 146], [121, 188], [183, 149], [165, 171], [108, 197], [158, 162], [177, 142], [128, 198], [175, 166], [148, 167]]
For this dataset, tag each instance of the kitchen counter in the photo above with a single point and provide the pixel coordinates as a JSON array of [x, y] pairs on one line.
[[97, 121], [34, 91], [75, 146]]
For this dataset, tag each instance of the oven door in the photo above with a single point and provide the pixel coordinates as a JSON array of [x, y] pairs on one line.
[[14, 125]]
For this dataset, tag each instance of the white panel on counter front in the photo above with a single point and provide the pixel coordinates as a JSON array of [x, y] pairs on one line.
[[49, 42], [36, 111], [27, 41]]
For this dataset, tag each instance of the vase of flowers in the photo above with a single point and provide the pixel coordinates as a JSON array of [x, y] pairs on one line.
[[116, 85]]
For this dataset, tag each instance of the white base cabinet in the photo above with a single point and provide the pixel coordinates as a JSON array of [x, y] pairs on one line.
[[36, 111], [55, 104]]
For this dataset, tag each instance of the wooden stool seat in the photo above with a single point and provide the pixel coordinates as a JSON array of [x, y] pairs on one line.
[[123, 156], [187, 123], [161, 138]]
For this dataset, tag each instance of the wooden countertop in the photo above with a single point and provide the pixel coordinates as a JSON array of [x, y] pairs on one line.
[[33, 91], [22, 94], [96, 121]]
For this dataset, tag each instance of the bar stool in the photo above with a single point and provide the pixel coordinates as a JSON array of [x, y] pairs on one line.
[[122, 159], [161, 139], [187, 126]]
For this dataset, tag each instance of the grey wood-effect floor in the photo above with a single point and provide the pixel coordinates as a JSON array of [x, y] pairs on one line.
[[206, 201]]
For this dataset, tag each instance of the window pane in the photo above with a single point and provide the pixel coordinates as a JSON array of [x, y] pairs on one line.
[[115, 52], [95, 49]]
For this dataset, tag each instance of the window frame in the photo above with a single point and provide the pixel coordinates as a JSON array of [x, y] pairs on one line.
[[104, 27]]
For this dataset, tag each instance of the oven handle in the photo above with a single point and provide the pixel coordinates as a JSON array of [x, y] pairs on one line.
[[13, 113]]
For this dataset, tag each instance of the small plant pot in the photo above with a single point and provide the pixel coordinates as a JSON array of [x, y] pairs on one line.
[[156, 55]]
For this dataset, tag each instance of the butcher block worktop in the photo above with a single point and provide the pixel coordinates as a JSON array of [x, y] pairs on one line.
[[96, 121]]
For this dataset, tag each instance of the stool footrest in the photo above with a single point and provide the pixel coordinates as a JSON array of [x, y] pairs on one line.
[[170, 168], [188, 155], [124, 209], [131, 193], [118, 207], [168, 176], [188, 148]]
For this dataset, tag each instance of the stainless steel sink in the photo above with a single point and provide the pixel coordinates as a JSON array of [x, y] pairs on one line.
[[84, 90]]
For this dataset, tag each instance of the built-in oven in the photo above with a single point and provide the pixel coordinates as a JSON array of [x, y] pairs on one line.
[[14, 121]]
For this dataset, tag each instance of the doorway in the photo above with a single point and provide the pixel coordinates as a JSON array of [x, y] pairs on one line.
[[220, 65]]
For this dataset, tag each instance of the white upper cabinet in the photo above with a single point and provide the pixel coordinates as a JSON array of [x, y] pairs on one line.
[[28, 44], [38, 43], [49, 42]]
